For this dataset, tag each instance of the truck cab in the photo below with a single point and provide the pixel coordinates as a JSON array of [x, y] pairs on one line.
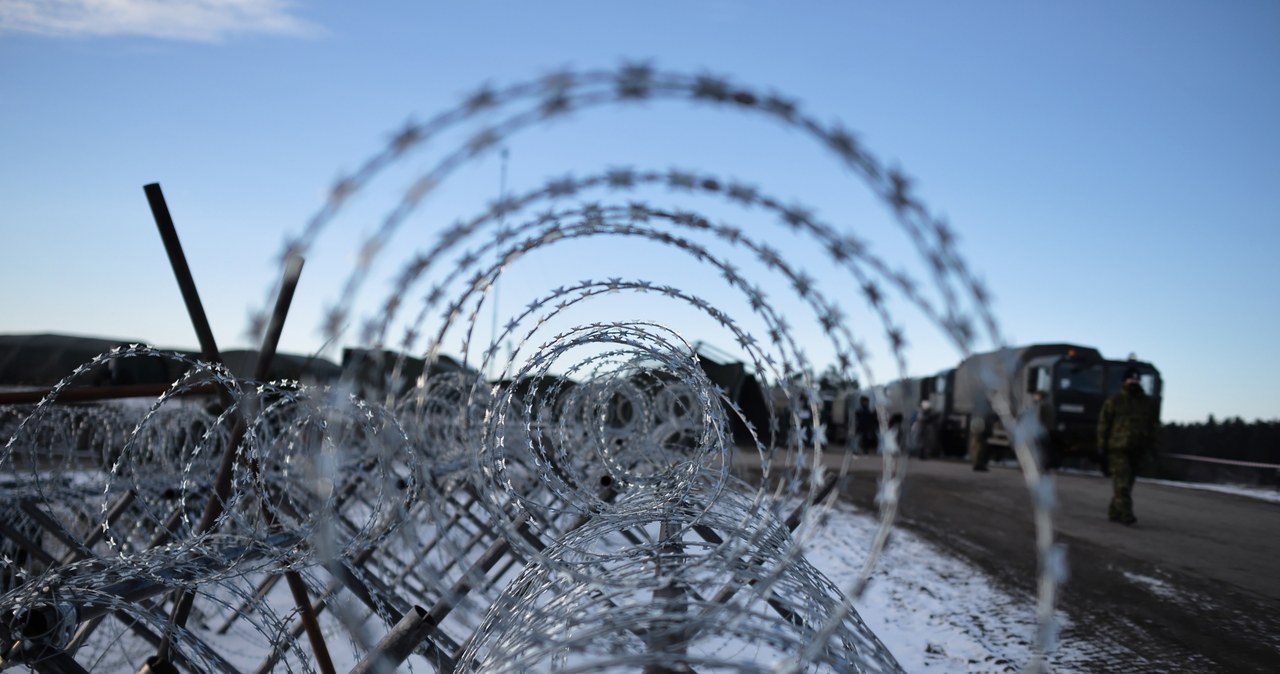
[[1075, 388]]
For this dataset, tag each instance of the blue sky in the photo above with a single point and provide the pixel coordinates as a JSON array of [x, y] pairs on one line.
[[1110, 167]]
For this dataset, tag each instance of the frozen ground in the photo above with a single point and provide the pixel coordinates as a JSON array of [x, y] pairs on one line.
[[936, 613]]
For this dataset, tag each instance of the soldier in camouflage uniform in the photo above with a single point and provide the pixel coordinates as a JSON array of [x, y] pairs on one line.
[[1126, 433], [979, 449]]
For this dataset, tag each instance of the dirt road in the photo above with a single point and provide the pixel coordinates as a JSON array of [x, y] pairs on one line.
[[1193, 587]]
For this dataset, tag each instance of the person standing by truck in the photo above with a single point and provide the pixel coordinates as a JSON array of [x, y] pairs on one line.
[[866, 426], [923, 439], [1126, 433], [978, 447]]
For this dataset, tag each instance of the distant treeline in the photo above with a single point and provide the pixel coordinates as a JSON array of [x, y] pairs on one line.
[[1232, 439]]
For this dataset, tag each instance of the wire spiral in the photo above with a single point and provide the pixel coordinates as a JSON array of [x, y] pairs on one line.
[[602, 504]]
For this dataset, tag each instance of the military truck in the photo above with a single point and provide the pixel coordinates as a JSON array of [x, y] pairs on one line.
[[740, 386], [1076, 381]]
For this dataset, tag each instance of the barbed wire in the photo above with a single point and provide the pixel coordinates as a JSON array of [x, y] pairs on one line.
[[602, 505]]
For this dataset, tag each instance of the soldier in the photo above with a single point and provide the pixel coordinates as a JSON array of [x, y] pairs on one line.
[[866, 426], [978, 447], [1126, 432], [924, 431]]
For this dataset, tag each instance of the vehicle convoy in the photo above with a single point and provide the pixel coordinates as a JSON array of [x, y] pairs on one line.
[[1076, 381]]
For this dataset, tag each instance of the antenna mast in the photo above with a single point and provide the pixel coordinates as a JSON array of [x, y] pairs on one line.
[[497, 284]]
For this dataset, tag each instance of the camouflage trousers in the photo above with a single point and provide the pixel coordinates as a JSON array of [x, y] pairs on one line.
[[1124, 470]]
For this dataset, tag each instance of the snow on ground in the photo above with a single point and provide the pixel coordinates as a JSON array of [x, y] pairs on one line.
[[1161, 586], [1260, 493], [1271, 494], [935, 612], [1155, 585]]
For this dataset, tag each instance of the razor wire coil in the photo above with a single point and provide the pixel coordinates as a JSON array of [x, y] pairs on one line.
[[586, 510]]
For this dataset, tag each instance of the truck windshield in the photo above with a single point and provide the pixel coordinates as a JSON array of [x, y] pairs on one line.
[[1086, 378], [1115, 379]]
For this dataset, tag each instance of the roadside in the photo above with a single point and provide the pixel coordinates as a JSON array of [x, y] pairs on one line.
[[1191, 588]]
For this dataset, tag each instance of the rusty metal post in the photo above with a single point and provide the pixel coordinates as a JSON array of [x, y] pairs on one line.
[[209, 348], [96, 533], [222, 486], [186, 284], [669, 636], [398, 644], [270, 341]]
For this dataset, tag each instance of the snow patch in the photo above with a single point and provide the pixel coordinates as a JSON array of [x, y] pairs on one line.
[[935, 612], [1154, 585], [1260, 493]]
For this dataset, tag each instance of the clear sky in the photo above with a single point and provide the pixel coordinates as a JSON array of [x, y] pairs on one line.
[[1111, 168]]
